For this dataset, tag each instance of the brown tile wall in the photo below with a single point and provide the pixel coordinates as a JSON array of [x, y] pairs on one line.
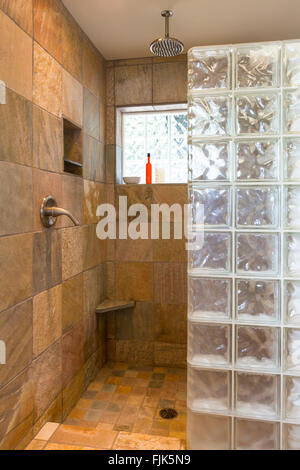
[[153, 272], [50, 279]]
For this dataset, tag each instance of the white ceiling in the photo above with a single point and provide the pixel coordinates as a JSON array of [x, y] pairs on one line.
[[125, 28]]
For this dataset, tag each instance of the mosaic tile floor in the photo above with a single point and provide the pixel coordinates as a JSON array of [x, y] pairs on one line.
[[120, 410]]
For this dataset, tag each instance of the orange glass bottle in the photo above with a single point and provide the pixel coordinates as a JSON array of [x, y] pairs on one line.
[[148, 171]]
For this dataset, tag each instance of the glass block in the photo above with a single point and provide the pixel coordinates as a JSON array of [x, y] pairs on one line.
[[257, 160], [209, 345], [257, 253], [209, 298], [292, 302], [292, 254], [257, 394], [257, 347], [209, 69], [210, 161], [291, 107], [292, 207], [257, 207], [257, 66], [291, 436], [210, 116], [257, 301], [207, 432], [292, 349], [215, 254], [256, 435], [208, 390], [291, 159], [250, 136], [292, 398], [216, 204], [257, 114], [292, 64]]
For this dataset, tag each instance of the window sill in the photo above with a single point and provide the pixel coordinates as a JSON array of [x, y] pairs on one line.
[[153, 184]]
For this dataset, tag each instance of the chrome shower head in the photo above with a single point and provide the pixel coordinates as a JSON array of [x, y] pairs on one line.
[[166, 47]]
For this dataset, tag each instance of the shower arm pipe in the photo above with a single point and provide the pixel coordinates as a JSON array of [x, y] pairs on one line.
[[58, 211], [166, 14], [167, 26]]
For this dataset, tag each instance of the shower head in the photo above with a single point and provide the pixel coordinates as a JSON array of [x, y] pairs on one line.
[[166, 47]]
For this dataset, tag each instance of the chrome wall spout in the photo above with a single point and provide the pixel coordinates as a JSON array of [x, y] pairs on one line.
[[58, 211], [49, 212]]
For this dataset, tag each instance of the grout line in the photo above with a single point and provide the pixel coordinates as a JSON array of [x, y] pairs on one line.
[[281, 222], [115, 439], [17, 24]]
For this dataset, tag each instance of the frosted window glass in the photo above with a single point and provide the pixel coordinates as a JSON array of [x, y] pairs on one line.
[[164, 136]]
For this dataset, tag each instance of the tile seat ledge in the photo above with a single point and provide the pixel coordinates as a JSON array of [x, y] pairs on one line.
[[112, 305]]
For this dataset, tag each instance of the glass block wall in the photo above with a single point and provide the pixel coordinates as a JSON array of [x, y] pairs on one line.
[[244, 283]]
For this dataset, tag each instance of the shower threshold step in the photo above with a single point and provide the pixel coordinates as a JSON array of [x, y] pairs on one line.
[[112, 305]]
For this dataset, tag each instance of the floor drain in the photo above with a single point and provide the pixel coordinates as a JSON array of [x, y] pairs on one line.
[[168, 413]]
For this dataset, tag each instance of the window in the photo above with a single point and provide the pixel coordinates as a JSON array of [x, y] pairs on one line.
[[164, 136]]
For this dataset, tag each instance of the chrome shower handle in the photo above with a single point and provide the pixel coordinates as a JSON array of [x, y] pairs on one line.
[[49, 212]]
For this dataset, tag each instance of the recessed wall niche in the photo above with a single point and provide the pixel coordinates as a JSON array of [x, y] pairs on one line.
[[72, 148]]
